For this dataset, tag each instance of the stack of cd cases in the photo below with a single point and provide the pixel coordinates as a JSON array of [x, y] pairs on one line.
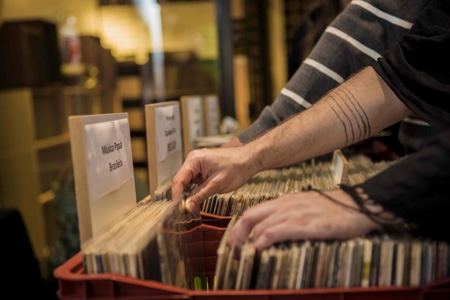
[[375, 260]]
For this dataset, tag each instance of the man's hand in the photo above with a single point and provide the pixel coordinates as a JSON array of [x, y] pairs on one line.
[[365, 100], [306, 215], [211, 171]]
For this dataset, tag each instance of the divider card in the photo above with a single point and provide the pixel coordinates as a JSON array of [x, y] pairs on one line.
[[164, 146], [193, 123], [211, 114], [339, 168], [103, 170]]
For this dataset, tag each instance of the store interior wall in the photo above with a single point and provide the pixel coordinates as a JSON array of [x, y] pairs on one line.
[[125, 32], [122, 28]]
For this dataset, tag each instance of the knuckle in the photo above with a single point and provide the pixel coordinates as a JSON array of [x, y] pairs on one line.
[[246, 222], [245, 219], [198, 197], [217, 183], [198, 153], [269, 235]]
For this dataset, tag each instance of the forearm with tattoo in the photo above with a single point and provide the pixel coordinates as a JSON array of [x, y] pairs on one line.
[[350, 113], [360, 107]]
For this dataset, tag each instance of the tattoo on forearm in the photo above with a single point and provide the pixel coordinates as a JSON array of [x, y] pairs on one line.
[[352, 110], [364, 119], [343, 124], [350, 113], [342, 111]]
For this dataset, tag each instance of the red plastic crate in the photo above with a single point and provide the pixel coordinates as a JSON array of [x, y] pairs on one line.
[[215, 220], [75, 284]]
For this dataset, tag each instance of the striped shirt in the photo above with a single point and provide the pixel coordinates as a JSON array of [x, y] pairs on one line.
[[356, 38]]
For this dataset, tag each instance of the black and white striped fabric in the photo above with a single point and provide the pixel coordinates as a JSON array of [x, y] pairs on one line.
[[358, 36]]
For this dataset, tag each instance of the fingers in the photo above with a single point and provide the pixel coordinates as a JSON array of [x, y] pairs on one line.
[[198, 169], [269, 234], [249, 219], [210, 186], [306, 215], [199, 194], [291, 216], [213, 171], [277, 224], [188, 172]]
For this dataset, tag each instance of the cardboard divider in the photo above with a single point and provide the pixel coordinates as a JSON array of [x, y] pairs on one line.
[[192, 120], [211, 114], [103, 170], [164, 142], [339, 165]]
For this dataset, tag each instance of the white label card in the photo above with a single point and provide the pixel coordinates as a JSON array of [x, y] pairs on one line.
[[108, 155], [338, 168], [168, 131], [195, 113]]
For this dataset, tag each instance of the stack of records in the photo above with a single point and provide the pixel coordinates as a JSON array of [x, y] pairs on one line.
[[374, 260], [270, 184], [148, 242], [361, 168]]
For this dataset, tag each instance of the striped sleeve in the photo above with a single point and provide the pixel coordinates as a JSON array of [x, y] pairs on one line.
[[357, 37], [417, 68]]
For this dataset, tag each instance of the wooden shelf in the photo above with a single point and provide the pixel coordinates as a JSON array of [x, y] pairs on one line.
[[52, 141], [34, 123]]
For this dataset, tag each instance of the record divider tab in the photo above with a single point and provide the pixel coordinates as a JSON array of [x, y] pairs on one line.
[[103, 170], [193, 121], [164, 142], [339, 168]]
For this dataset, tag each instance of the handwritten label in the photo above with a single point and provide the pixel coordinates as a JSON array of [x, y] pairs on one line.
[[195, 114], [108, 154], [168, 131]]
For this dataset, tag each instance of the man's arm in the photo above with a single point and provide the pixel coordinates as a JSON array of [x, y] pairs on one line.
[[354, 111], [358, 35], [358, 108]]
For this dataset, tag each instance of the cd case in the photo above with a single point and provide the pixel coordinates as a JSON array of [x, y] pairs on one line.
[[378, 259]]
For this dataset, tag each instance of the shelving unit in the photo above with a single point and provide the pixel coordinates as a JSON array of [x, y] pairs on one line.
[[36, 151], [35, 147]]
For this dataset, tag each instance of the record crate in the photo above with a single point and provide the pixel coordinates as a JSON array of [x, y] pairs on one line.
[[74, 283]]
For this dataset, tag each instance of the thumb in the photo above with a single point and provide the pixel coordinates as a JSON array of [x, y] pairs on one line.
[[193, 202]]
